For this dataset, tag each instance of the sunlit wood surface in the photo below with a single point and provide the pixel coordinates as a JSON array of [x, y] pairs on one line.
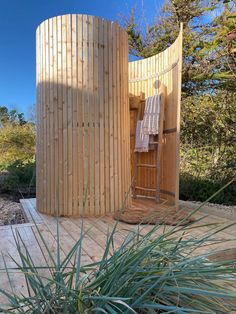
[[94, 241], [83, 143]]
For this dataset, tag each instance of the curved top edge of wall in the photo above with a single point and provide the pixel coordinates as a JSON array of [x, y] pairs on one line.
[[165, 51], [74, 14]]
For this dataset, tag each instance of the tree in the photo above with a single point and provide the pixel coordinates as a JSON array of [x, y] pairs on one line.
[[10, 116], [209, 58], [208, 132]]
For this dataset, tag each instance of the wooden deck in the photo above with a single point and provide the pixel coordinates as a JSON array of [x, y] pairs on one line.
[[70, 229]]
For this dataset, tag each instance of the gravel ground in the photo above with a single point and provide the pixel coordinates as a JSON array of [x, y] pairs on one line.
[[225, 208], [228, 212], [10, 212]]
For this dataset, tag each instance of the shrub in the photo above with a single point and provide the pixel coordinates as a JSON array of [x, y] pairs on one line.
[[199, 189], [17, 143], [17, 153], [18, 177], [208, 138]]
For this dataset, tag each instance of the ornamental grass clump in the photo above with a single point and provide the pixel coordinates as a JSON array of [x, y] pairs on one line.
[[151, 272]]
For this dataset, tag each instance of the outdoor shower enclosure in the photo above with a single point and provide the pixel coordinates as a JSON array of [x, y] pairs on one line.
[[83, 147], [85, 129]]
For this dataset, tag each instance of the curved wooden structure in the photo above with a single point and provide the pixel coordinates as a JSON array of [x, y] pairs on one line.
[[83, 126], [145, 78]]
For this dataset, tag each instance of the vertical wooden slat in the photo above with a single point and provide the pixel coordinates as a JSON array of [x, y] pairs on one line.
[[69, 116], [106, 116], [80, 112], [115, 113], [111, 119], [85, 114], [51, 116], [43, 122], [123, 120], [118, 116], [101, 114], [47, 122], [38, 81], [91, 114], [126, 119], [96, 115], [122, 125], [64, 115], [125, 123], [56, 114], [40, 120], [74, 72], [60, 116], [179, 84]]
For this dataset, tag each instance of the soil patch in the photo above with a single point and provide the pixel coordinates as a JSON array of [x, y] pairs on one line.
[[10, 212]]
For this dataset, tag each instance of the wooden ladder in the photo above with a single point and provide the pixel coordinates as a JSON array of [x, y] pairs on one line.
[[158, 149]]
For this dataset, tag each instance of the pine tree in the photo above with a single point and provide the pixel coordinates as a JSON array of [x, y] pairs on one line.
[[209, 57]]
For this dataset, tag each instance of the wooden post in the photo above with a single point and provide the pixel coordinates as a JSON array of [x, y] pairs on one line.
[[162, 92]]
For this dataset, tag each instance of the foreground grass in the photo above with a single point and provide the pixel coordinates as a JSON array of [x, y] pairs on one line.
[[148, 273]]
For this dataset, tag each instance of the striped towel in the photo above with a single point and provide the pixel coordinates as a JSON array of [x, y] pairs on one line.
[[141, 140], [151, 115]]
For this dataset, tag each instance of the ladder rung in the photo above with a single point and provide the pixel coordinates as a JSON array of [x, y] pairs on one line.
[[144, 189], [146, 165], [153, 143], [145, 196]]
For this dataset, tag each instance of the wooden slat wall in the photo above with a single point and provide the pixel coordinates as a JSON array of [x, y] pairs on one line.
[[83, 123], [169, 64]]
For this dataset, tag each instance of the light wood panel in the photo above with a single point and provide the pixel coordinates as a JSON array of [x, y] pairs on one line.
[[83, 145], [97, 231], [145, 77]]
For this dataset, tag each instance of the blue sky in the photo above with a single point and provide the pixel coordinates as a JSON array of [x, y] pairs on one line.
[[18, 22]]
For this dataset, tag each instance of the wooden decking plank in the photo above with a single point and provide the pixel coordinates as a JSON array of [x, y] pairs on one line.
[[143, 228], [91, 248], [29, 210], [3, 276], [106, 226], [144, 203], [66, 241], [230, 231], [50, 240], [93, 232], [106, 230], [28, 237], [8, 248]]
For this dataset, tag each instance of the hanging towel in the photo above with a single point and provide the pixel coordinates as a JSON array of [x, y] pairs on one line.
[[141, 140], [151, 115]]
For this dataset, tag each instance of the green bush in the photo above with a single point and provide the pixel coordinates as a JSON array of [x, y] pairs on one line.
[[200, 189], [17, 153], [17, 142], [18, 178], [208, 147]]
